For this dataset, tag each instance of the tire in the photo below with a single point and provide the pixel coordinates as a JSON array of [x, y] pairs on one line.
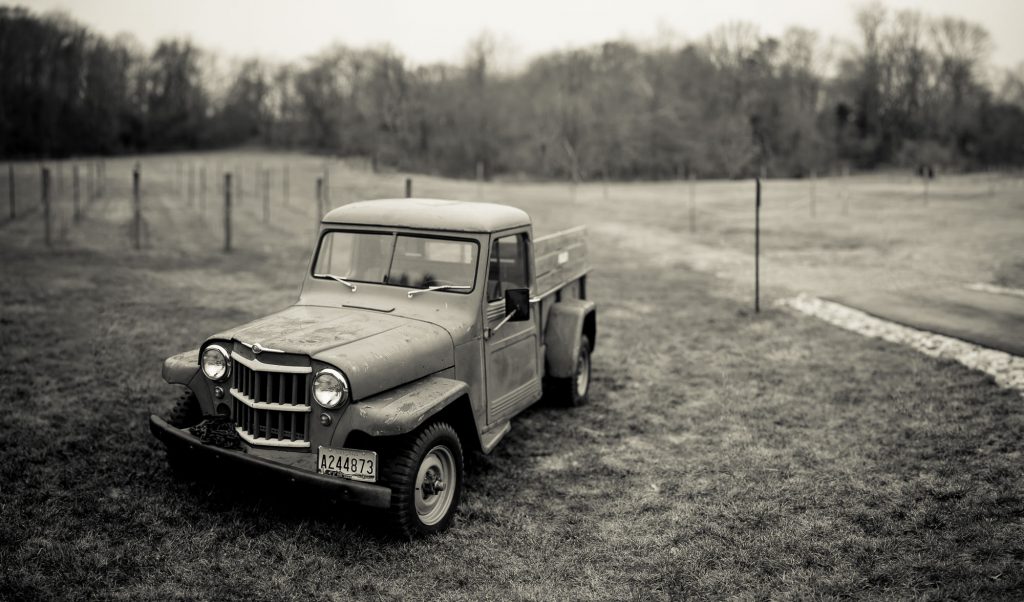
[[424, 460], [185, 413], [575, 390]]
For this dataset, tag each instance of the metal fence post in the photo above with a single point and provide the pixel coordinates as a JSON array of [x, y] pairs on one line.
[[408, 188], [137, 208], [757, 248], [46, 206], [227, 213]]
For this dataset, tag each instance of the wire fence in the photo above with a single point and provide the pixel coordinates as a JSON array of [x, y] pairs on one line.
[[180, 201]]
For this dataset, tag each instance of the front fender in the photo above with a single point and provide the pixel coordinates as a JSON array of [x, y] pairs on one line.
[[562, 335], [403, 409], [180, 369], [183, 369]]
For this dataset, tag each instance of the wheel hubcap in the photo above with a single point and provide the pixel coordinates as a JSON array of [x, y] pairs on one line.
[[435, 485]]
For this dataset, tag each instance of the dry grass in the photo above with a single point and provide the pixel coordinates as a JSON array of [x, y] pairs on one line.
[[724, 454]]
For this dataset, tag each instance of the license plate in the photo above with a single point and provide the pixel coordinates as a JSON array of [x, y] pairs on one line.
[[355, 464]]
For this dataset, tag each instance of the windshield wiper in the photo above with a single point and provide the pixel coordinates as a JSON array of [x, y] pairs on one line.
[[337, 278], [442, 287]]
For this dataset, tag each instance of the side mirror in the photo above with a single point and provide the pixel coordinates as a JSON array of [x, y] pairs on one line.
[[517, 300]]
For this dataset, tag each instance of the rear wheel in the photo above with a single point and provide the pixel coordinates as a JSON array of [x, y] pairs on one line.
[[425, 477], [575, 390]]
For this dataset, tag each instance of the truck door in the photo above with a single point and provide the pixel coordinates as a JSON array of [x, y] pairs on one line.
[[513, 381]]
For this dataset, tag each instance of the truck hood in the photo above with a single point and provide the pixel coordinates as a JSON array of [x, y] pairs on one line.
[[375, 351]]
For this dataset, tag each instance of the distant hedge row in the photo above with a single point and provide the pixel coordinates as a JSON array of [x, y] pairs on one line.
[[911, 92]]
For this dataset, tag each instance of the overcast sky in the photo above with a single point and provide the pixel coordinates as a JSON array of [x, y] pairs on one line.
[[437, 30]]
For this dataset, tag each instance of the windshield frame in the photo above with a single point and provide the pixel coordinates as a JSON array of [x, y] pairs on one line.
[[394, 234]]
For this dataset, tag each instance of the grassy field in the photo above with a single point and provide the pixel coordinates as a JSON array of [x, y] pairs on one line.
[[723, 454]]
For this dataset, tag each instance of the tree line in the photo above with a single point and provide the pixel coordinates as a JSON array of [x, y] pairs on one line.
[[911, 90]]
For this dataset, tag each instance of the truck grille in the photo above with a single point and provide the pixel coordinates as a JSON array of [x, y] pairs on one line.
[[271, 408]]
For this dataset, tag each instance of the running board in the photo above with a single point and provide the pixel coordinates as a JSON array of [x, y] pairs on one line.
[[491, 438]]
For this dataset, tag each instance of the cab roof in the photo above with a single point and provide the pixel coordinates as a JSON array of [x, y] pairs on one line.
[[430, 214]]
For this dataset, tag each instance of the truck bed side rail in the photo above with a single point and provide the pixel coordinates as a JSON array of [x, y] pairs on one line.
[[560, 258]]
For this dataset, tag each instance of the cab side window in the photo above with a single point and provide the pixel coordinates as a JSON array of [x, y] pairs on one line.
[[507, 266]]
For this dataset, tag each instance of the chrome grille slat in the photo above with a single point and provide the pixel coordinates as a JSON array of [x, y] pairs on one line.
[[254, 390]]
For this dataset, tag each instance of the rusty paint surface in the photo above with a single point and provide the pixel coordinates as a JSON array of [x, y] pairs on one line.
[[390, 358], [307, 330], [402, 409], [179, 369]]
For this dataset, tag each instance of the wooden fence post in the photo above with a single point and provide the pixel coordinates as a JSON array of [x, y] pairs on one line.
[[227, 213], [814, 196], [136, 208], [319, 199], [46, 206], [266, 196], [408, 188], [479, 180], [845, 191], [10, 191], [191, 183], [77, 215], [285, 184], [327, 188], [90, 181], [693, 203]]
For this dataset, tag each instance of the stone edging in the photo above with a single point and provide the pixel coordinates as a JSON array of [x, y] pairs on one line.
[[1005, 368]]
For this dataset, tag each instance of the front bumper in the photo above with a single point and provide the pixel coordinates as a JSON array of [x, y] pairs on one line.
[[366, 494]]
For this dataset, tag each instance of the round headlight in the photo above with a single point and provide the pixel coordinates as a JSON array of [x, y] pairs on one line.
[[330, 389], [216, 363]]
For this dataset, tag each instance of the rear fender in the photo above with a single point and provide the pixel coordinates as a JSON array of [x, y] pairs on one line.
[[562, 335], [403, 409]]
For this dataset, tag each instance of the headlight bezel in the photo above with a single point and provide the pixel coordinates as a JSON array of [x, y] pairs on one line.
[[227, 362], [342, 397]]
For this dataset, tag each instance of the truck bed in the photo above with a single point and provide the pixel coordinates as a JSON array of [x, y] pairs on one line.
[[560, 259]]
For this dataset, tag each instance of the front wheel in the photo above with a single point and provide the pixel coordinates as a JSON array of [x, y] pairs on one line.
[[185, 413], [425, 477]]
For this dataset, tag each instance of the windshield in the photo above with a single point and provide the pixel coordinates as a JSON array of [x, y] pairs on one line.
[[398, 260]]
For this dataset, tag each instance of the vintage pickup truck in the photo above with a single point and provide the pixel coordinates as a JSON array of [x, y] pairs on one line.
[[422, 328]]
